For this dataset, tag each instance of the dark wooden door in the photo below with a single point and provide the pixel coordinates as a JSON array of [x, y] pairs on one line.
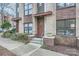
[[40, 26], [17, 26]]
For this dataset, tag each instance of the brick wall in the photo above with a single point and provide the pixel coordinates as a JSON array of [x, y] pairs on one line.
[[67, 41], [27, 18], [66, 13]]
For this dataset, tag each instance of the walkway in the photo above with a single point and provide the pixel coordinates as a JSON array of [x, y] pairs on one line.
[[30, 49], [44, 52], [9, 44]]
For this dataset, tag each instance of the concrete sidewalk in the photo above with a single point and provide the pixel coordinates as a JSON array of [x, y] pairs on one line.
[[44, 52], [30, 49], [26, 49], [9, 44]]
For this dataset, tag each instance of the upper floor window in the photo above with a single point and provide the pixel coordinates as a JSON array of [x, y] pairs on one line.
[[40, 4], [64, 5], [17, 9], [40, 7], [28, 9]]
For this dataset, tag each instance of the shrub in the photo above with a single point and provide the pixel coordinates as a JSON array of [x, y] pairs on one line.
[[7, 34], [13, 30], [13, 37], [6, 25], [20, 37]]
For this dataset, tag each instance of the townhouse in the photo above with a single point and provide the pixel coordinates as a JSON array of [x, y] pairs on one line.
[[53, 18], [48, 19]]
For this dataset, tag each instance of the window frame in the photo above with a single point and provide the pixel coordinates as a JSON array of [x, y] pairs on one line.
[[28, 31], [65, 6], [66, 28], [28, 4], [40, 8]]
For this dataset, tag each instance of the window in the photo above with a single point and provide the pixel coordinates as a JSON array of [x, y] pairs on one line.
[[66, 27], [60, 5], [17, 9], [40, 4], [28, 28], [70, 4], [40, 7], [28, 9], [64, 5]]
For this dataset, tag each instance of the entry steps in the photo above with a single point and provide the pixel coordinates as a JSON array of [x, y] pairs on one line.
[[37, 41]]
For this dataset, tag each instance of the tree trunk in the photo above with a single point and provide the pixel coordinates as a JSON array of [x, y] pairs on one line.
[[2, 16]]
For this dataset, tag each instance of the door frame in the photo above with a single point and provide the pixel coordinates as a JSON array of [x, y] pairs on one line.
[[43, 25]]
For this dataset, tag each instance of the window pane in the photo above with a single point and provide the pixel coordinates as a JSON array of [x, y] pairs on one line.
[[30, 6], [70, 32], [25, 25], [30, 11], [30, 24], [70, 23], [26, 7], [63, 5], [26, 3], [26, 12], [60, 5], [26, 30], [60, 23], [70, 4], [60, 32], [30, 32], [40, 4], [30, 28]]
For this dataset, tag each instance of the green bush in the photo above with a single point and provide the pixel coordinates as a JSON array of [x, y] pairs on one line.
[[20, 37], [13, 30], [6, 24], [13, 37], [7, 34]]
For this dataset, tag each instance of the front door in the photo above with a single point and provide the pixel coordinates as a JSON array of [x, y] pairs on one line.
[[17, 26], [40, 26]]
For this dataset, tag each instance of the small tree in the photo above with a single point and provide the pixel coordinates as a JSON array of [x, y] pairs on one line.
[[6, 25]]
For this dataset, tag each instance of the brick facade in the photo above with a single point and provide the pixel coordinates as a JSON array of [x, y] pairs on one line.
[[27, 18], [66, 13]]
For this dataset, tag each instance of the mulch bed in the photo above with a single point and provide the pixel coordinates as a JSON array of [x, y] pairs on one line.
[[5, 52]]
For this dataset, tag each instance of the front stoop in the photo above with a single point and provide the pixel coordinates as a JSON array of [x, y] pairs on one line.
[[37, 41]]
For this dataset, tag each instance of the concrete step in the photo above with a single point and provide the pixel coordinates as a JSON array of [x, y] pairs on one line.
[[37, 40], [26, 49]]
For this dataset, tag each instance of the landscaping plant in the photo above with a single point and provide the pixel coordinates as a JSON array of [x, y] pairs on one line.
[[22, 37], [8, 33], [6, 25]]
